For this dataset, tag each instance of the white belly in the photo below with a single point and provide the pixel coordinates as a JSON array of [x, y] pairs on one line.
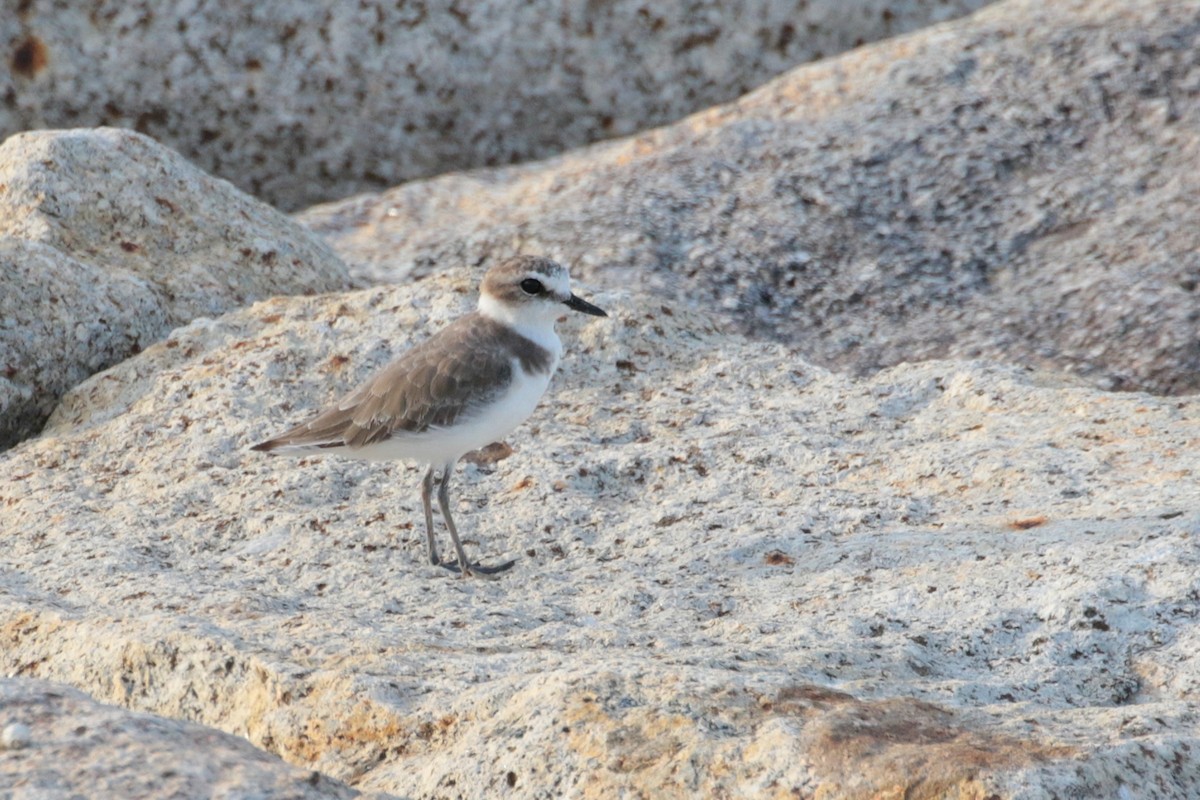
[[444, 445]]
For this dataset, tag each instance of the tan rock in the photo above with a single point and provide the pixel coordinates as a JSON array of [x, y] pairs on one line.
[[737, 574], [1018, 185], [298, 102], [107, 241]]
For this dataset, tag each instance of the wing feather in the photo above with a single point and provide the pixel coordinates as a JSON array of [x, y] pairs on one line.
[[433, 385]]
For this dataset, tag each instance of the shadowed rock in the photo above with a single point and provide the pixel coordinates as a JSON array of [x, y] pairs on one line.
[[80, 748], [1018, 185], [303, 101]]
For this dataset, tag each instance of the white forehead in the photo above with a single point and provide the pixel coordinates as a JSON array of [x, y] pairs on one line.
[[557, 281], [504, 280], [502, 298]]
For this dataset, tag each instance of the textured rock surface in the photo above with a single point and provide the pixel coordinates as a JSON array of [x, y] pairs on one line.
[[1019, 185], [738, 575], [107, 241], [81, 748], [298, 102]]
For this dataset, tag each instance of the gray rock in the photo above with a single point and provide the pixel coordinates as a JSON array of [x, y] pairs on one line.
[[87, 749], [298, 102], [107, 242], [1018, 185], [738, 574]]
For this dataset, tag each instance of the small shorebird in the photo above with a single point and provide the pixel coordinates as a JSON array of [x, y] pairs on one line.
[[465, 387]]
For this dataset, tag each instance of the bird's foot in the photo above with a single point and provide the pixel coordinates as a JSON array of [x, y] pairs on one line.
[[478, 570]]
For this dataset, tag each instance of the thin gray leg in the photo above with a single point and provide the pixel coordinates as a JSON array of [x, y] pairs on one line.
[[464, 566], [426, 491], [444, 503]]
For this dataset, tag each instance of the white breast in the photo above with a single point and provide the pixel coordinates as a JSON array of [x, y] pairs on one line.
[[491, 423]]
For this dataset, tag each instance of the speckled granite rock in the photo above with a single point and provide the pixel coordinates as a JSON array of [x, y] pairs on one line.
[[738, 575], [299, 102], [1018, 185], [107, 241], [81, 748]]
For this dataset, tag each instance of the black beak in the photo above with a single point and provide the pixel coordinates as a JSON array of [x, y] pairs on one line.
[[579, 304]]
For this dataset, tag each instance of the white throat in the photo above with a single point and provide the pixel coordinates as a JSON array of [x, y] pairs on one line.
[[534, 321]]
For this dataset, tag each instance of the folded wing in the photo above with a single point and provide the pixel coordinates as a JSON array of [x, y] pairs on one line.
[[441, 381]]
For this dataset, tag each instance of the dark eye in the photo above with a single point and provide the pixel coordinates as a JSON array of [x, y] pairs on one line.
[[532, 286]]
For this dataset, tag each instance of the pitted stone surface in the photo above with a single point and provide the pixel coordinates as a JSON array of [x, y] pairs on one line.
[[1018, 185], [76, 747], [107, 241], [299, 102], [737, 574]]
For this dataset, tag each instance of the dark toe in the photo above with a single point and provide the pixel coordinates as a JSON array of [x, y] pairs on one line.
[[478, 569], [496, 570]]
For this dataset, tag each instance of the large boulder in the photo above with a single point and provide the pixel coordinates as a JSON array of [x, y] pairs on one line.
[[1018, 185], [298, 102], [107, 242], [737, 574]]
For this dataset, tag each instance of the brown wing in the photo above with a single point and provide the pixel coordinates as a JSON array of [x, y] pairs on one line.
[[430, 386]]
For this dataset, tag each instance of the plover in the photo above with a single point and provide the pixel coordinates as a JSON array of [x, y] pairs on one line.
[[467, 386]]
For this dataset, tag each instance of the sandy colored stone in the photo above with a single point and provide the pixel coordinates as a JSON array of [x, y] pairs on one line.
[[80, 748], [737, 574], [299, 102], [107, 242], [1018, 185]]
